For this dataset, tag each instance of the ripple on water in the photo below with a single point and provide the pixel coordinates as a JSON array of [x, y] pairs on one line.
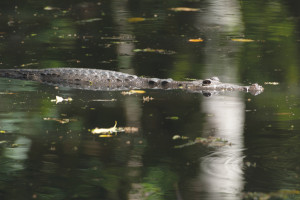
[[222, 171]]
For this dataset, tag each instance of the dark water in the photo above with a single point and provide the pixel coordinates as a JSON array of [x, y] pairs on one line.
[[49, 159]]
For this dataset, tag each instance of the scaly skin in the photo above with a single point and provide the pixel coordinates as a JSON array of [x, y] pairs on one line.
[[97, 79]]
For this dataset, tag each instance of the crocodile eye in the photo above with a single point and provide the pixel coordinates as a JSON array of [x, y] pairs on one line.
[[151, 82], [207, 82], [163, 83]]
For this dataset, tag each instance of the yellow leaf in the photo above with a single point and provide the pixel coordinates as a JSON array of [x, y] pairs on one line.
[[242, 40], [130, 92], [105, 135], [185, 9], [1, 131], [137, 91], [136, 19], [196, 40]]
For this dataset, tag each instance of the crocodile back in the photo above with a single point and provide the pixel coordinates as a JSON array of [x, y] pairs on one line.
[[97, 79], [93, 79]]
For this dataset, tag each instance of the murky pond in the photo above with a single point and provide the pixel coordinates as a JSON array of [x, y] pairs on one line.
[[167, 144]]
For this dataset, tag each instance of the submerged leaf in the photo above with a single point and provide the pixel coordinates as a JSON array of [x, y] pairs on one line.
[[136, 19], [210, 142], [172, 118]]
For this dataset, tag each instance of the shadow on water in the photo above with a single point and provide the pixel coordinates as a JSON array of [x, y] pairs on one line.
[[176, 144]]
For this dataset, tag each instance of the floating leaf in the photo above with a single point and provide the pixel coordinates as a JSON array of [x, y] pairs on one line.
[[104, 131], [59, 99], [176, 137], [89, 20], [51, 8], [105, 135], [137, 91], [28, 64], [62, 121], [2, 131], [147, 99], [196, 40], [7, 93], [160, 51], [283, 113], [136, 19], [185, 9], [104, 100], [130, 92], [242, 40], [271, 83]]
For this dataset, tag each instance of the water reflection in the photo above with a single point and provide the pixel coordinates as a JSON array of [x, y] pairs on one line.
[[222, 169]]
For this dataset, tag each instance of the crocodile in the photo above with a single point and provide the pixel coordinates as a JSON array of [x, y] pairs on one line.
[[106, 80]]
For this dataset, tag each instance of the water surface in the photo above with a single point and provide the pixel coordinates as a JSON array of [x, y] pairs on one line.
[[47, 150]]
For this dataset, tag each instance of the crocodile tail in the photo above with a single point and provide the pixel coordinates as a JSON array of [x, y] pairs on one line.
[[25, 74]]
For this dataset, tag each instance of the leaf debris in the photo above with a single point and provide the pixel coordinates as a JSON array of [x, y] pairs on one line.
[[104, 100], [242, 40], [184, 9], [150, 50], [172, 117], [130, 92], [136, 19], [89, 20], [59, 99], [209, 141], [271, 83], [196, 40], [7, 93], [62, 121], [147, 99], [111, 130]]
